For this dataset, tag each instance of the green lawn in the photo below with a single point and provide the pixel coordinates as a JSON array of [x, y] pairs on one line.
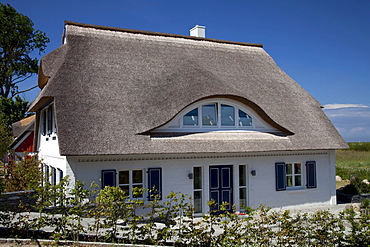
[[354, 161]]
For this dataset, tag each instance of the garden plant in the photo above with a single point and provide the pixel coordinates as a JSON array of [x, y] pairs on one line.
[[83, 213]]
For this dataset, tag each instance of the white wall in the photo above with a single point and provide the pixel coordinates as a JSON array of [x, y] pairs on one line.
[[261, 188], [48, 151]]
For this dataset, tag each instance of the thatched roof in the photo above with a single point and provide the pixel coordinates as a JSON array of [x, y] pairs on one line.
[[22, 128], [24, 125], [112, 86]]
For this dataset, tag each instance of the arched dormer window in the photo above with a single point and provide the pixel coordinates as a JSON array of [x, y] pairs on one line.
[[217, 114]]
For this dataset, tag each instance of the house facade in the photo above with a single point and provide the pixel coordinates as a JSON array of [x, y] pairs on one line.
[[209, 118]]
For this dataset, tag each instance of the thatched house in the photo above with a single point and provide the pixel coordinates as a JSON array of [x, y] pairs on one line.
[[23, 132], [209, 118]]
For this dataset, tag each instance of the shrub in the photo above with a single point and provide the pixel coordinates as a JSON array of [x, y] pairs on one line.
[[24, 174], [365, 203], [112, 217], [356, 187]]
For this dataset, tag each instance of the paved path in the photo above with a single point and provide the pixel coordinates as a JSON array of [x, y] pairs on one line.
[[312, 208]]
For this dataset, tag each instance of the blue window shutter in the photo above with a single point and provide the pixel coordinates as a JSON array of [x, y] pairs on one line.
[[280, 176], [108, 178], [311, 174], [155, 183]]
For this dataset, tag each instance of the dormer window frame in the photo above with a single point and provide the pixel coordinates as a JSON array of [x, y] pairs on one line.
[[48, 121], [177, 123], [217, 113]]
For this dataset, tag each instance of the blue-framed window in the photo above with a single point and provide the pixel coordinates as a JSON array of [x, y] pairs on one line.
[[290, 175]]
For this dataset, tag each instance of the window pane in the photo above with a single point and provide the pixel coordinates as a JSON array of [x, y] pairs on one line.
[[297, 181], [137, 191], [197, 201], [44, 122], [244, 119], [227, 115], [209, 115], [126, 189], [289, 169], [242, 175], [297, 168], [289, 181], [243, 197], [50, 120], [191, 118], [137, 176], [197, 178], [123, 177]]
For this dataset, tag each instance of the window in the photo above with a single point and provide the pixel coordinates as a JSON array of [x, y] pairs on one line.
[[217, 115], [50, 120], [290, 175], [53, 176], [46, 171], [60, 175], [128, 180], [48, 123], [293, 174], [198, 186], [191, 118], [44, 119], [244, 119], [227, 115], [243, 185]]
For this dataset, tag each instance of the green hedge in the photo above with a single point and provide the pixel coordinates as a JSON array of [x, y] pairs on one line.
[[359, 146], [111, 217]]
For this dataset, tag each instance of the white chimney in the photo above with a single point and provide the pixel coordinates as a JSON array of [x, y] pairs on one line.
[[198, 31]]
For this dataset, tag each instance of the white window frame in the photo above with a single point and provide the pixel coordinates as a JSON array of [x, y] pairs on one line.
[[218, 104], [241, 186], [293, 175], [45, 119], [131, 184], [176, 124], [198, 189]]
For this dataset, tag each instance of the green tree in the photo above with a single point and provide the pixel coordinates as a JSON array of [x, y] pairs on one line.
[[5, 140], [18, 39], [13, 110]]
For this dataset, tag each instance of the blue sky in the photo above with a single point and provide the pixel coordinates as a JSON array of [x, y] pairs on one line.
[[322, 44]]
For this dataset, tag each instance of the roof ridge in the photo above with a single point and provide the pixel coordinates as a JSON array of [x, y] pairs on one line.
[[72, 23]]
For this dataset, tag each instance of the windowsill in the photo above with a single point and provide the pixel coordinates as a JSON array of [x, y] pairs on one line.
[[132, 200], [296, 190]]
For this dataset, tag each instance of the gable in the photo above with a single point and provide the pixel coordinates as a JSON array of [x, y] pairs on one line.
[[25, 144]]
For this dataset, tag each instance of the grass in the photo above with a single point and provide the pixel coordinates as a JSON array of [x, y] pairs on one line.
[[354, 161], [342, 183]]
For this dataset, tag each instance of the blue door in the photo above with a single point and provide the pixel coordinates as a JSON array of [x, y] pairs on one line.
[[221, 186]]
